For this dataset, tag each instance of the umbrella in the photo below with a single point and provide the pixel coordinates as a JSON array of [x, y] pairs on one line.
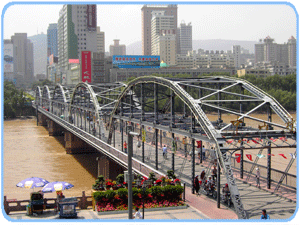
[[57, 186], [32, 182]]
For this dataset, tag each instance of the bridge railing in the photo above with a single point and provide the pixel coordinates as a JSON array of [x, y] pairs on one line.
[[113, 153], [289, 181]]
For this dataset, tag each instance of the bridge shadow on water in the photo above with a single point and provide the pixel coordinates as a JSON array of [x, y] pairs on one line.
[[87, 160]]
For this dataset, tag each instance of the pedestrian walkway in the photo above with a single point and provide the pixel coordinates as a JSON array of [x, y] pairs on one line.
[[183, 214], [260, 198]]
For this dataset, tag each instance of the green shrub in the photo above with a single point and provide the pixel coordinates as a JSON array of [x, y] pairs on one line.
[[123, 193], [178, 190], [110, 194], [135, 192], [152, 177], [99, 195], [120, 178], [155, 191], [170, 174]]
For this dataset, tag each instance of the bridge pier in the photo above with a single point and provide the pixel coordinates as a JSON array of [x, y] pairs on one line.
[[54, 129], [108, 168], [74, 144], [42, 119]]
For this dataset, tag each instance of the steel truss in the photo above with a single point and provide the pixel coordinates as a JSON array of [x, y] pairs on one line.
[[182, 107]]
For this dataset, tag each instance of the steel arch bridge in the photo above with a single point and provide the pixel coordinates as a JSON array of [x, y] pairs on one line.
[[180, 106], [220, 111]]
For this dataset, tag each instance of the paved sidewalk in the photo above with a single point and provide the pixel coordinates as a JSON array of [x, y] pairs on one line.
[[184, 214], [208, 206]]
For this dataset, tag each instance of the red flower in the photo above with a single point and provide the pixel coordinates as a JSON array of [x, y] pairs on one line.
[[150, 196]]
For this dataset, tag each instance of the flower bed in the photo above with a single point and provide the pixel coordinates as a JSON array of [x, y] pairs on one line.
[[155, 197]]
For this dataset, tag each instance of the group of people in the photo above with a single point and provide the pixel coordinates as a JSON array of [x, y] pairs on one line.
[[207, 184]]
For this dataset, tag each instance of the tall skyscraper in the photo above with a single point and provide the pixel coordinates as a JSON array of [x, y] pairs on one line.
[[117, 49], [23, 58], [76, 32], [185, 38], [100, 40], [52, 40], [292, 51], [163, 37], [236, 50], [170, 10]]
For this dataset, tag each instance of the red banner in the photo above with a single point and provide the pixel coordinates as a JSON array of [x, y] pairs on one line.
[[283, 156], [249, 156], [86, 66], [238, 157], [199, 143]]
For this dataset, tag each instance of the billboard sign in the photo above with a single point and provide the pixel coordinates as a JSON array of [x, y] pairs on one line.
[[91, 17], [8, 58], [136, 61], [71, 61], [86, 66]]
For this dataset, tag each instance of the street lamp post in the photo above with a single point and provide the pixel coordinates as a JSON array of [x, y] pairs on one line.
[[130, 135]]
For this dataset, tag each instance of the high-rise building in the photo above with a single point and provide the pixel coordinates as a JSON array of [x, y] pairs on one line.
[[98, 67], [268, 51], [23, 63], [52, 40], [292, 51], [76, 32], [185, 38], [147, 10], [236, 50], [117, 49], [163, 37], [100, 40]]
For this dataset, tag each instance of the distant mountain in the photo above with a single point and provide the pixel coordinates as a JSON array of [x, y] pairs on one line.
[[39, 53], [210, 44], [134, 48], [219, 44]]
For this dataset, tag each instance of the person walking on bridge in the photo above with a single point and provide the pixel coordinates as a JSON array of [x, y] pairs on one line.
[[125, 146], [257, 177], [196, 185], [164, 152]]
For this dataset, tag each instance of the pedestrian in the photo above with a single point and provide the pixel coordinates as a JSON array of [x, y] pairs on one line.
[[264, 215], [125, 146], [214, 173], [203, 153], [165, 151], [202, 175], [257, 177], [196, 185], [137, 214]]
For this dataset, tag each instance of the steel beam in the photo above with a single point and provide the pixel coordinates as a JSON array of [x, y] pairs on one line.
[[193, 165]]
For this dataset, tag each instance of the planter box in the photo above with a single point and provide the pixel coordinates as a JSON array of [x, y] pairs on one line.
[[146, 210]]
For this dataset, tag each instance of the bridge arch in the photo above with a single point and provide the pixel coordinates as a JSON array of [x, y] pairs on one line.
[[46, 97], [38, 95]]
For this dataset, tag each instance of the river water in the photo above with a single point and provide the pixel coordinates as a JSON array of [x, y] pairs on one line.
[[29, 151]]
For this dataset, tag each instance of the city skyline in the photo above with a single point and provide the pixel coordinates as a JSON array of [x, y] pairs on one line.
[[229, 22]]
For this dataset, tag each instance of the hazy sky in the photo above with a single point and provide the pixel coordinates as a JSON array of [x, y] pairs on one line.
[[209, 21]]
